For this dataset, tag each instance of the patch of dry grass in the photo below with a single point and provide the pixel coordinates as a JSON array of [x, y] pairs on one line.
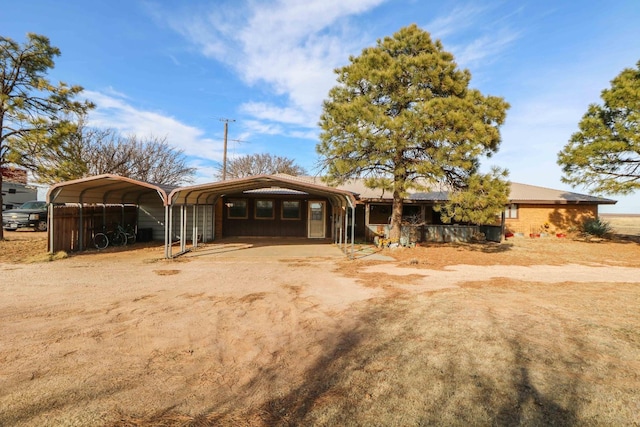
[[512, 354], [522, 251], [498, 353]]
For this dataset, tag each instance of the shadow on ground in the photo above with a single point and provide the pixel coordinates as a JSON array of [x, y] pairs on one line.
[[398, 367]]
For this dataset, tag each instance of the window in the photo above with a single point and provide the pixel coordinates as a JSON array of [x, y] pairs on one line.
[[264, 209], [236, 208], [379, 214], [291, 209], [511, 211], [412, 214]]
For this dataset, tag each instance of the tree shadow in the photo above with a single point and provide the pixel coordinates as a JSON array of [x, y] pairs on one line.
[[325, 382], [437, 378], [480, 246]]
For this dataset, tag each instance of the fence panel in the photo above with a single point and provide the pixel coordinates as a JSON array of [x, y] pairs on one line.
[[67, 222], [449, 233]]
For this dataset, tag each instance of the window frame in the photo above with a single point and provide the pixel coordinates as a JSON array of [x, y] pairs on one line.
[[284, 218], [512, 211], [230, 205], [256, 209]]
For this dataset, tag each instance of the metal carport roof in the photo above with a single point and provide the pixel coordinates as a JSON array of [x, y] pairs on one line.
[[105, 189], [203, 192], [209, 193], [115, 189]]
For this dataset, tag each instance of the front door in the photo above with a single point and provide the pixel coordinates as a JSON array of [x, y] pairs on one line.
[[316, 219]]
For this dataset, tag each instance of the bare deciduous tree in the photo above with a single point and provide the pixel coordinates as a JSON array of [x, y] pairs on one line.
[[92, 151], [260, 164], [149, 159]]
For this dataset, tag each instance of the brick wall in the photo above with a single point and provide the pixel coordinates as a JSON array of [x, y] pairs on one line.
[[10, 174], [560, 218]]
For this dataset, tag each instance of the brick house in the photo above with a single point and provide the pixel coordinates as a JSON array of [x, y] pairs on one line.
[[535, 209], [287, 206]]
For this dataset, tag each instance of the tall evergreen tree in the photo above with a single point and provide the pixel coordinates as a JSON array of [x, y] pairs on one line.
[[604, 154], [403, 117], [29, 104]]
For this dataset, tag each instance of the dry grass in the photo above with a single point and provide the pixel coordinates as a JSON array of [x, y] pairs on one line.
[[500, 354], [628, 225]]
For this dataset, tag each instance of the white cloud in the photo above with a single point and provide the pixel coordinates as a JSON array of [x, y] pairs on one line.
[[484, 49], [459, 19], [270, 112], [483, 37], [291, 45], [113, 111]]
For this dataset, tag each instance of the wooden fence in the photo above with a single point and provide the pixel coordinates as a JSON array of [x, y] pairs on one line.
[[71, 222]]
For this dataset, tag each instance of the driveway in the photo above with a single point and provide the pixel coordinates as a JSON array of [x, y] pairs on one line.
[[268, 248]]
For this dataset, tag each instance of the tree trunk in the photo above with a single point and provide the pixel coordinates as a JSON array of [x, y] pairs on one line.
[[396, 217]]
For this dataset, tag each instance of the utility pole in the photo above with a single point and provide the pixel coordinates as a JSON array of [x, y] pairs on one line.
[[224, 156]]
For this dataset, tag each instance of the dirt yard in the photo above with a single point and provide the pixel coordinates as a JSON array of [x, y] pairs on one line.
[[527, 332]]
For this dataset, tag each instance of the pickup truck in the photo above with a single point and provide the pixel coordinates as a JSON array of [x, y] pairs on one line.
[[31, 214]]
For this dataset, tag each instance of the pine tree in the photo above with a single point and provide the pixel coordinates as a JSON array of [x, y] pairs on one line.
[[403, 117]]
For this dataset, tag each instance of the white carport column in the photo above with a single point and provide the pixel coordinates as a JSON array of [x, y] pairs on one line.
[[353, 230], [194, 233], [167, 232], [340, 227], [183, 228], [346, 228]]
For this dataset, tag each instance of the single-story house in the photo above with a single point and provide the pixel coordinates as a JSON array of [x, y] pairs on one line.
[[277, 206]]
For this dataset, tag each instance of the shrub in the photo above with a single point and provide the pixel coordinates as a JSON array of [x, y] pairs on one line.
[[596, 227]]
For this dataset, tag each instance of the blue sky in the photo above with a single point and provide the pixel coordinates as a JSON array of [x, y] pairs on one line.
[[176, 68]]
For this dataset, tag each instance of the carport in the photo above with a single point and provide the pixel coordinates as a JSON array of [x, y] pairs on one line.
[[108, 192], [179, 215], [185, 217]]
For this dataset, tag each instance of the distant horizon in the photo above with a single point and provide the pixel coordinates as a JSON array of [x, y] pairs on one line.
[[179, 69]]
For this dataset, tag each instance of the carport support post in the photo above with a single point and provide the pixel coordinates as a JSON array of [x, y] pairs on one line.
[[194, 233], [167, 231], [183, 228], [339, 228], [353, 230], [81, 230], [346, 228], [50, 230]]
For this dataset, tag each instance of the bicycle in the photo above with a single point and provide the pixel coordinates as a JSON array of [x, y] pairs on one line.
[[129, 232], [117, 237]]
